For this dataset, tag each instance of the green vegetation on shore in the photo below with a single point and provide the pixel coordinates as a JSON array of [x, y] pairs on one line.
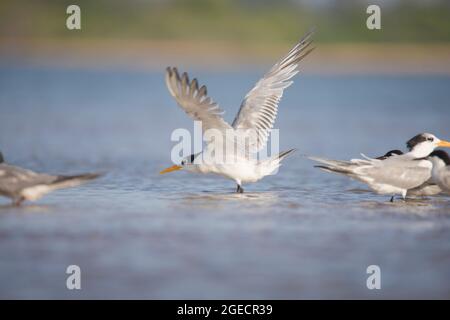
[[243, 21]]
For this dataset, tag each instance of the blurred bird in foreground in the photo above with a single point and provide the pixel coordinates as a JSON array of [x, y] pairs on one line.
[[20, 184]]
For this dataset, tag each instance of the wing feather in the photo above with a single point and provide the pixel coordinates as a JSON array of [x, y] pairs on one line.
[[194, 101], [398, 171], [260, 106]]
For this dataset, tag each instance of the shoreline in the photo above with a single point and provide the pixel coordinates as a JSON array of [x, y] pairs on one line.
[[150, 55]]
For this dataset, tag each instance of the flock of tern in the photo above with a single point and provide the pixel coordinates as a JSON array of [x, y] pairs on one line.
[[419, 172], [422, 171]]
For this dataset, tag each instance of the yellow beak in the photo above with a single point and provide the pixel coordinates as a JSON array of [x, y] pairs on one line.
[[444, 144], [170, 169]]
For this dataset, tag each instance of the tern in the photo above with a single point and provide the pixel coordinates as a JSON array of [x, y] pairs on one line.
[[20, 184], [257, 113], [390, 154], [428, 188], [393, 173], [441, 169]]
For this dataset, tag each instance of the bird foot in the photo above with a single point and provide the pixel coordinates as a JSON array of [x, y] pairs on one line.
[[18, 202], [239, 189]]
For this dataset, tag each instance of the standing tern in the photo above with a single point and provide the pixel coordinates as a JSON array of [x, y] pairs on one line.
[[257, 112], [391, 174], [441, 169], [20, 184], [428, 188]]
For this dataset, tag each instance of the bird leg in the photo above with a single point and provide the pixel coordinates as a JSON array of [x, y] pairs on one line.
[[17, 202], [239, 189], [392, 199]]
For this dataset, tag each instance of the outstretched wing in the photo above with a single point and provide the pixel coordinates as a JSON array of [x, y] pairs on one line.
[[194, 100], [259, 108]]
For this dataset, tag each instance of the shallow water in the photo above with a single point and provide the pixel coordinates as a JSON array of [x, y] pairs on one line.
[[135, 234]]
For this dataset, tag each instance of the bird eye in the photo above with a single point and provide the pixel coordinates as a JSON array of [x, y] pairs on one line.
[[430, 139], [183, 163]]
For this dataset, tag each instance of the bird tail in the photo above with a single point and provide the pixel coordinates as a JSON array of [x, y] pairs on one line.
[[271, 165], [284, 154], [62, 182], [336, 166]]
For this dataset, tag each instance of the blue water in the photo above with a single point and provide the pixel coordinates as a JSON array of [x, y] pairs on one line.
[[136, 234]]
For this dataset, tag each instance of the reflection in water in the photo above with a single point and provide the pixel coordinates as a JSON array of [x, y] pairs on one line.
[[420, 207], [25, 208], [358, 190], [311, 235], [222, 200]]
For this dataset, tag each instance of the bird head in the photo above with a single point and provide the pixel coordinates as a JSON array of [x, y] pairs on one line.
[[424, 143], [187, 163]]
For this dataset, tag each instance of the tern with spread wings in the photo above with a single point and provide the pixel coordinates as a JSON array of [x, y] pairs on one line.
[[257, 114]]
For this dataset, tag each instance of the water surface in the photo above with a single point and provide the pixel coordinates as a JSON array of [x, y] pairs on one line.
[[135, 234]]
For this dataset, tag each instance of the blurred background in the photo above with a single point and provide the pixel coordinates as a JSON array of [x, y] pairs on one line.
[[221, 34]]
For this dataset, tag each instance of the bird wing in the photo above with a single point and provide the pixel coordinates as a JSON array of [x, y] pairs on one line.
[[397, 171], [259, 107], [194, 100], [429, 188], [14, 179]]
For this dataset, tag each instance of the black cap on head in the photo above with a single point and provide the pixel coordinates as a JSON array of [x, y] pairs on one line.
[[1, 157], [441, 154], [390, 154], [416, 140]]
